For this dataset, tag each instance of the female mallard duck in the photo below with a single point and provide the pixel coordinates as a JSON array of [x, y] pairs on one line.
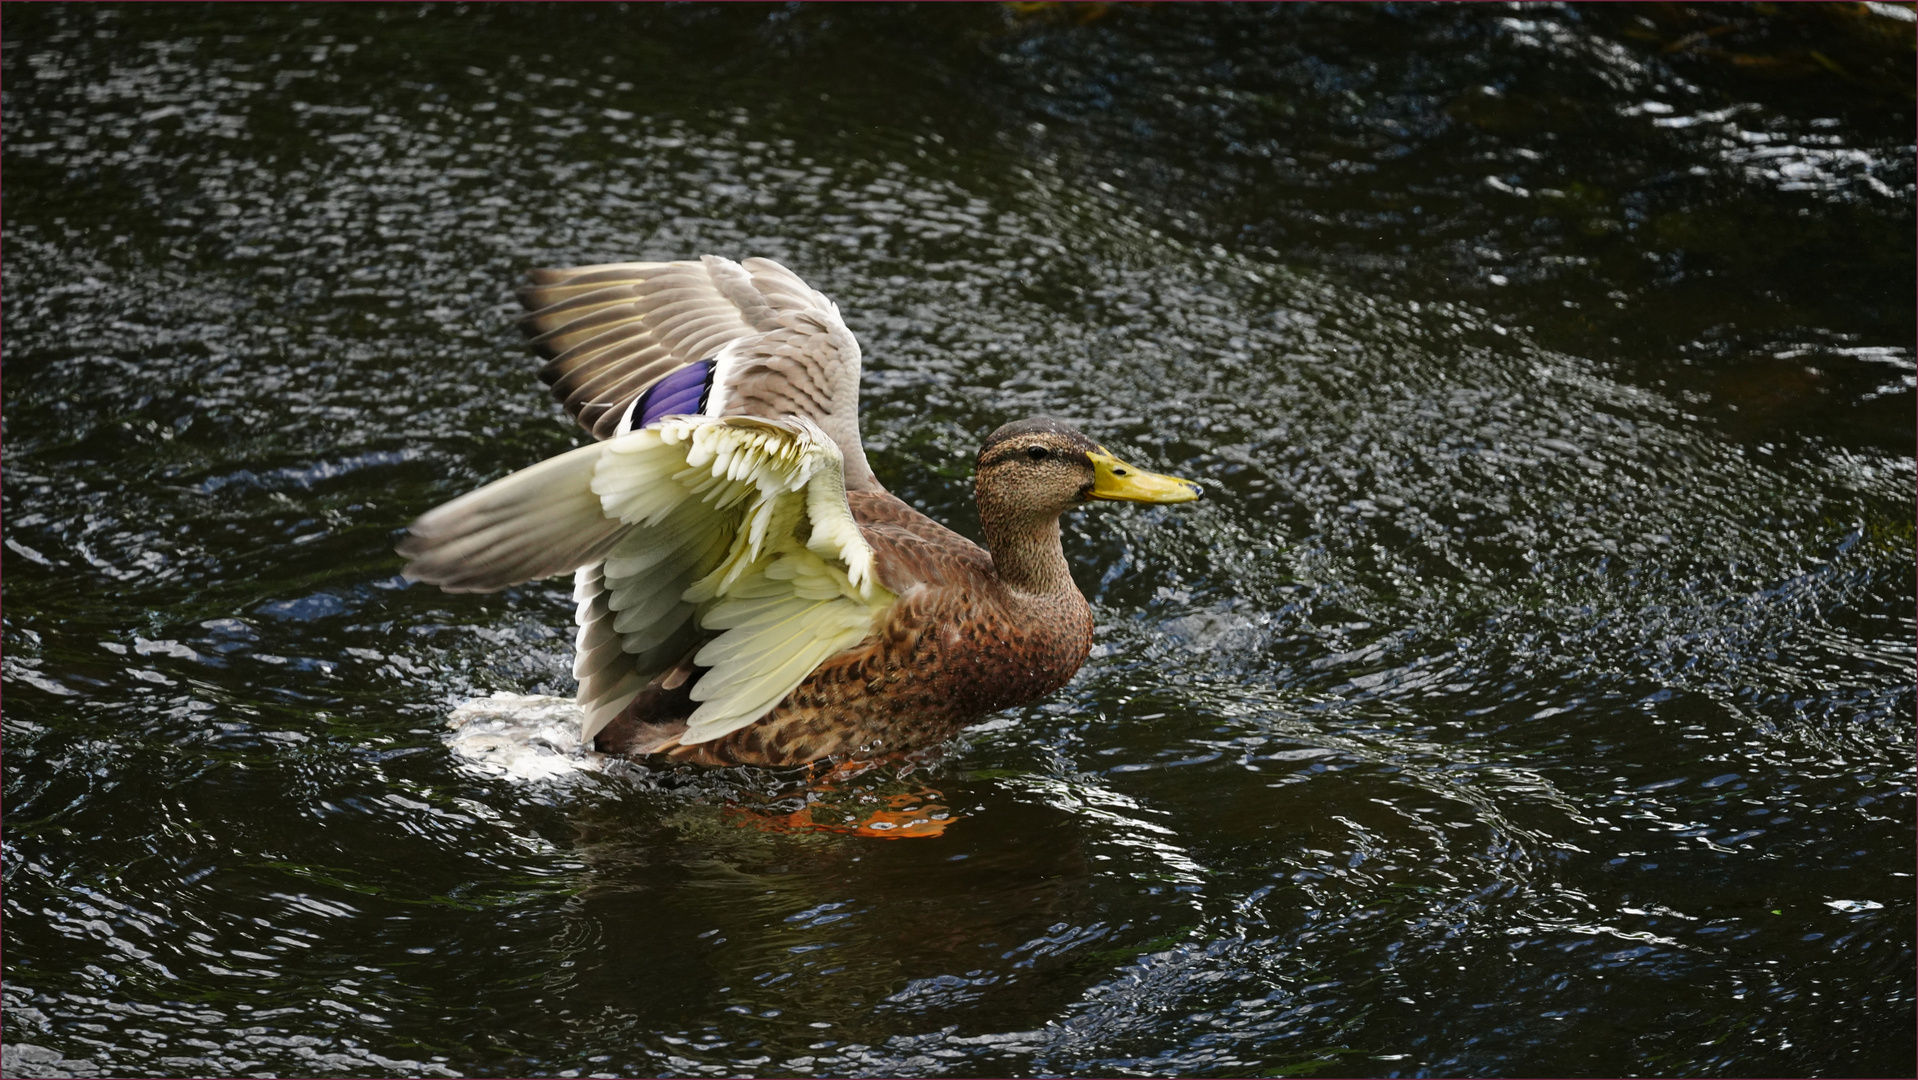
[[748, 592]]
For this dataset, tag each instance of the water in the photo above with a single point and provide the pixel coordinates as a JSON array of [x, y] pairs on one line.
[[1532, 695]]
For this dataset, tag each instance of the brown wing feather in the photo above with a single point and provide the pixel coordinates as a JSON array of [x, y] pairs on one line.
[[910, 548], [610, 331]]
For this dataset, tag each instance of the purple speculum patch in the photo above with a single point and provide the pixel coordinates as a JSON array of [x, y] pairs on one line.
[[681, 393]]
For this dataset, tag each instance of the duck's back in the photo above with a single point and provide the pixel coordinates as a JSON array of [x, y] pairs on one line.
[[956, 646]]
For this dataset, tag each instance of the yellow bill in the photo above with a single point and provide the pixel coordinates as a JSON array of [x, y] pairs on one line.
[[1114, 479]]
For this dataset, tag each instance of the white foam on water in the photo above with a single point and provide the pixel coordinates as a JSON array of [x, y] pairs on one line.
[[521, 737]]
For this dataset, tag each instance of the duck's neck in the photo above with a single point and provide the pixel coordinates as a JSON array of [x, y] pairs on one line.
[[1026, 553]]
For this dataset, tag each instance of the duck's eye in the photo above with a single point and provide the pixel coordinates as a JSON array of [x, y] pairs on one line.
[[1037, 453]]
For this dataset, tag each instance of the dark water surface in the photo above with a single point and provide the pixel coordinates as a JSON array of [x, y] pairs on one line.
[[1532, 695]]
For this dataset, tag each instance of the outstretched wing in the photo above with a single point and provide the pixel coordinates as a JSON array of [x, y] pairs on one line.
[[734, 531], [540, 521], [628, 343]]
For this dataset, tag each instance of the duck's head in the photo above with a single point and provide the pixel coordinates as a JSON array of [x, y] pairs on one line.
[[1040, 467]]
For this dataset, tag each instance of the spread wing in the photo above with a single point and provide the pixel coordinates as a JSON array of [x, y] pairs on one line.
[[731, 530], [628, 343]]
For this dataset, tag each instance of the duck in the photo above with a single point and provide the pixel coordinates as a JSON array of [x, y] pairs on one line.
[[747, 592]]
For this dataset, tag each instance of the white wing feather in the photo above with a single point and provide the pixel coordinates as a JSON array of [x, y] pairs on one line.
[[733, 527], [535, 523], [784, 598]]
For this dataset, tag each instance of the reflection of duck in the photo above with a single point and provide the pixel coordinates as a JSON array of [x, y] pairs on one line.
[[748, 592]]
